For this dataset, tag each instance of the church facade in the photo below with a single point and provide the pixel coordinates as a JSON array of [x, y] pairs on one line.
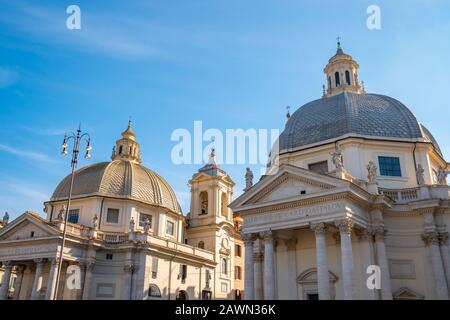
[[355, 205], [126, 237]]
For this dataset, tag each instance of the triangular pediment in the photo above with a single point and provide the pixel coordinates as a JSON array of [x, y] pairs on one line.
[[27, 226], [288, 183]]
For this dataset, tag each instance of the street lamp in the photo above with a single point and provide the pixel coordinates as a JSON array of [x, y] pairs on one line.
[[77, 138]]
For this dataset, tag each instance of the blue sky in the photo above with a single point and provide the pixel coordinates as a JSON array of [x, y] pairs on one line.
[[231, 64]]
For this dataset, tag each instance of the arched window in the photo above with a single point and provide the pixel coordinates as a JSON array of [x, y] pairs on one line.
[[153, 291], [203, 203], [224, 202], [224, 266], [120, 149], [336, 77], [201, 245], [347, 77]]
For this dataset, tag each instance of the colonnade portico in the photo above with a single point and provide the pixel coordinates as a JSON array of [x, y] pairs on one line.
[[39, 265], [343, 228]]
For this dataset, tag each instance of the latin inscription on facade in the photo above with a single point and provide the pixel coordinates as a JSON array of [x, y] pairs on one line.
[[301, 213]]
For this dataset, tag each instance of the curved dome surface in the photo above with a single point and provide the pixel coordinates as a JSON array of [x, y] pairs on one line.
[[120, 179], [351, 113]]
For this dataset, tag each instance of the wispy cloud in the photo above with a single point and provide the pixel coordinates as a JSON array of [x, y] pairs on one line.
[[44, 131], [97, 34], [32, 155], [7, 76]]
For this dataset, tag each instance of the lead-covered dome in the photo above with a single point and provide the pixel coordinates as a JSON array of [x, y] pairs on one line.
[[352, 114], [123, 178]]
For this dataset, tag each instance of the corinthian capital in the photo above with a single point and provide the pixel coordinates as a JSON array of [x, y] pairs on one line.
[[248, 238], [267, 235], [128, 268], [443, 238], [431, 238], [319, 228], [345, 225]]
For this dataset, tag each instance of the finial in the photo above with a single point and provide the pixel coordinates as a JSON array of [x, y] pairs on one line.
[[338, 42], [212, 157], [288, 114], [323, 90]]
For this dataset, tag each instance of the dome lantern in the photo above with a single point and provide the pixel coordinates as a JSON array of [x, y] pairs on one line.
[[342, 73], [127, 148]]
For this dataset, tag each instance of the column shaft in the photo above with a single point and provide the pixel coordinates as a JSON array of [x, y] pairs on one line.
[[322, 262], [432, 240], [37, 283], [248, 279], [51, 283], [258, 286], [128, 276], [269, 270], [345, 228], [445, 253], [87, 280], [4, 289], [386, 291]]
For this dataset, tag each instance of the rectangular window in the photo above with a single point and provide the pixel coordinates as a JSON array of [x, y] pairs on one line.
[[183, 272], [389, 166], [109, 256], [237, 273], [112, 215], [170, 227], [237, 250], [142, 217], [318, 167], [73, 215], [154, 267]]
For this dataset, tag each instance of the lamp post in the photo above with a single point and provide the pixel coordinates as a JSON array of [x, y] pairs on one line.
[[77, 138]]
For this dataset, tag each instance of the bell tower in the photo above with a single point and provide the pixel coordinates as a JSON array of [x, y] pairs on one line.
[[127, 148], [342, 74], [210, 223]]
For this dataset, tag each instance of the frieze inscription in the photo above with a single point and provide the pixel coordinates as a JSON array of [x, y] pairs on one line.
[[294, 214]]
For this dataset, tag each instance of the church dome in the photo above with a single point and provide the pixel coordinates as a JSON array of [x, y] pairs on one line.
[[123, 178], [352, 114]]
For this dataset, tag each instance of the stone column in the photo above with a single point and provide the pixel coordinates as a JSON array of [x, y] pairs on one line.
[[249, 293], [258, 285], [37, 283], [323, 280], [128, 276], [51, 283], [82, 266], [4, 289], [382, 260], [269, 268], [445, 253], [345, 229], [87, 279], [432, 240], [17, 289], [291, 247]]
